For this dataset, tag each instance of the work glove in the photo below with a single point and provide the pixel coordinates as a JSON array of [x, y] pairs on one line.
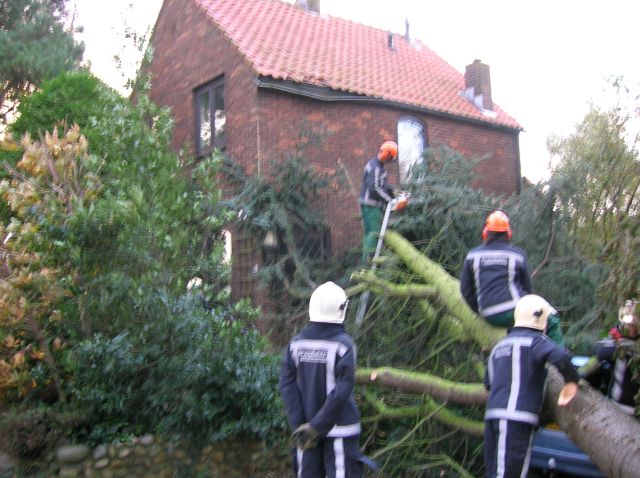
[[615, 334], [401, 204], [305, 437]]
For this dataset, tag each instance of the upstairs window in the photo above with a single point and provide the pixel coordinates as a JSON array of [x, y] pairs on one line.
[[210, 117], [411, 144]]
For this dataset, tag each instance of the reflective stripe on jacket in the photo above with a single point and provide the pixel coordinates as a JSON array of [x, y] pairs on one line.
[[494, 277], [374, 190], [317, 379], [516, 372]]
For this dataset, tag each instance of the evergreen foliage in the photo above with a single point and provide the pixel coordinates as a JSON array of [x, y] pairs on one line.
[[68, 99], [65, 100], [284, 204], [446, 216], [446, 213], [444, 220], [36, 45]]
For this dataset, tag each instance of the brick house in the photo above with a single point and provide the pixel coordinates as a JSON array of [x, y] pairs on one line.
[[245, 75]]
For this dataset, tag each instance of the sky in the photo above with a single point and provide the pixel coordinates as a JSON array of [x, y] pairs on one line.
[[549, 59]]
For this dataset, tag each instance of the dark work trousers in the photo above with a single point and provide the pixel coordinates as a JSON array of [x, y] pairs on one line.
[[333, 458], [507, 448]]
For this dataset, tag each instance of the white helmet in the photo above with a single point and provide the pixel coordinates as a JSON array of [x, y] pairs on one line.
[[532, 311], [629, 312], [328, 304]]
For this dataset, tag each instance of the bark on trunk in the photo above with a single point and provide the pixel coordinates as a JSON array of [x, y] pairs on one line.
[[601, 429]]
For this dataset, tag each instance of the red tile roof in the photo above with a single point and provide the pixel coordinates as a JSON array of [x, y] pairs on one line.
[[282, 41]]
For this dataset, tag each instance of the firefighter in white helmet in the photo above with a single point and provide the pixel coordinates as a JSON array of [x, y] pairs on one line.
[[515, 377], [316, 384]]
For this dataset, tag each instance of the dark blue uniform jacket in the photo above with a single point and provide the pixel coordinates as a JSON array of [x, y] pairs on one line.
[[516, 373], [317, 378], [494, 276]]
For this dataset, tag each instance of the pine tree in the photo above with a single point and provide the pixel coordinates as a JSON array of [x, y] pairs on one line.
[[36, 44]]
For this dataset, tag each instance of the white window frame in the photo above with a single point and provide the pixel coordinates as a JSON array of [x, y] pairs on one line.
[[412, 142]]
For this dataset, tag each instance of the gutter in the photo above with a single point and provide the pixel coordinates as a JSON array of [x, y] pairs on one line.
[[323, 93]]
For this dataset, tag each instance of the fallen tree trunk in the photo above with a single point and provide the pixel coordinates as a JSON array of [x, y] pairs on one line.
[[447, 289], [609, 436], [599, 427]]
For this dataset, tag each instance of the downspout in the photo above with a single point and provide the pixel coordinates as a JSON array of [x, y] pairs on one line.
[[518, 165], [259, 168]]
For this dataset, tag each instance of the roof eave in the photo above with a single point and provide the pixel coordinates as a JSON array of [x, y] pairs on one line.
[[324, 93]]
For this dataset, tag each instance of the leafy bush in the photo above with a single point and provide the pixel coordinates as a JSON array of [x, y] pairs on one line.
[[96, 227], [70, 98], [54, 181], [187, 372]]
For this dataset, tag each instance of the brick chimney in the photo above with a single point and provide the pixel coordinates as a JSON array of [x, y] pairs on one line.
[[309, 5], [478, 85]]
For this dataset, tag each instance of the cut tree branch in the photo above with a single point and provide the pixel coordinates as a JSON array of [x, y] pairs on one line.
[[420, 382]]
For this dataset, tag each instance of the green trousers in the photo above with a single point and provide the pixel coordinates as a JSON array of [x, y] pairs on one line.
[[505, 319], [372, 222]]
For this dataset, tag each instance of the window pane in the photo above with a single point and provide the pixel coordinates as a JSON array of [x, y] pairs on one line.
[[220, 120], [410, 145], [204, 117]]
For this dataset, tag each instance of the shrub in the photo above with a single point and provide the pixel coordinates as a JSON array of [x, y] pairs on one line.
[[188, 372], [95, 227], [70, 98]]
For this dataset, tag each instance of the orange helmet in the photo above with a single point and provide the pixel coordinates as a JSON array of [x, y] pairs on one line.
[[388, 151], [497, 221]]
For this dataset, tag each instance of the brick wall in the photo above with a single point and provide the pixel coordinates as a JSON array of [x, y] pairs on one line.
[[351, 134], [264, 124], [500, 173], [188, 52]]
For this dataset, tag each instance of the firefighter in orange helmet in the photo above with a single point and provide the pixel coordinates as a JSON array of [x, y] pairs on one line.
[[375, 193], [496, 275]]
